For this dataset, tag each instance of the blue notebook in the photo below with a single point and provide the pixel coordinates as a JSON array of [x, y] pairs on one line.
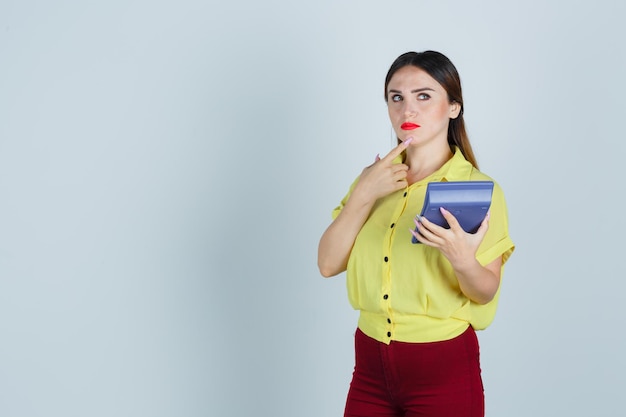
[[468, 201]]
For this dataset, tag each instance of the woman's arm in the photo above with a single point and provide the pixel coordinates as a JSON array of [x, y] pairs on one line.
[[337, 241], [479, 283], [377, 180]]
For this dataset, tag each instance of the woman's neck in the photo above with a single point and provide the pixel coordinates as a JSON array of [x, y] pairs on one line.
[[424, 161]]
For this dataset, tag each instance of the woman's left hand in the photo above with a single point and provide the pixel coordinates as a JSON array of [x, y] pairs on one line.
[[479, 283], [458, 246]]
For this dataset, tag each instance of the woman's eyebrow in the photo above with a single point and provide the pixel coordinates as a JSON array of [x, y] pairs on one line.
[[417, 90]]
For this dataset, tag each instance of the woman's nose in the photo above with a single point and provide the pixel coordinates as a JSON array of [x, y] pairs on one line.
[[409, 108]]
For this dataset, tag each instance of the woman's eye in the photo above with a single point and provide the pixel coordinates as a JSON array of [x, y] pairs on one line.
[[396, 98], [423, 96]]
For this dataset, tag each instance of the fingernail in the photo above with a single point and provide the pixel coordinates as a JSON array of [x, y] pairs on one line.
[[443, 210], [408, 140]]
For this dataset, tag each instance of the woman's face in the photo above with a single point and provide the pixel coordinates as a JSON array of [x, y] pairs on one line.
[[418, 106]]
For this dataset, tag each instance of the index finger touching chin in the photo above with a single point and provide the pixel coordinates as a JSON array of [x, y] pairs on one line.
[[398, 149]]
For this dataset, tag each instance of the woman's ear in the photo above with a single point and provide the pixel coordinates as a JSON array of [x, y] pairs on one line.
[[455, 110]]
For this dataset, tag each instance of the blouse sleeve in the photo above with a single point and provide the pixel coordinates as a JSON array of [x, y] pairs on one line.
[[338, 209], [497, 241]]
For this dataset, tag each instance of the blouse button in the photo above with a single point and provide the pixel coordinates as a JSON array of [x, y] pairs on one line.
[[388, 334], [389, 321], [386, 259], [392, 225], [385, 296], [405, 193]]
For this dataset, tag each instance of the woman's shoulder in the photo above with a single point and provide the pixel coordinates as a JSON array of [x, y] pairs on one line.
[[477, 175]]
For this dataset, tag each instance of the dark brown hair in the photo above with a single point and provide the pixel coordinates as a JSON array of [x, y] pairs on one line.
[[444, 72]]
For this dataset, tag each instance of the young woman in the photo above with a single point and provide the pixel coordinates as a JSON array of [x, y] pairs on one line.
[[416, 349]]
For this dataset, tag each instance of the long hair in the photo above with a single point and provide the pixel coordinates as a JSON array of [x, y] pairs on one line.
[[444, 72]]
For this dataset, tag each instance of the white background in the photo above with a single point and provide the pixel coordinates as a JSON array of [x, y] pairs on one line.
[[167, 169]]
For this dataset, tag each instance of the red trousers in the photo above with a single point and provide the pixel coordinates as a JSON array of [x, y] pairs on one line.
[[438, 379]]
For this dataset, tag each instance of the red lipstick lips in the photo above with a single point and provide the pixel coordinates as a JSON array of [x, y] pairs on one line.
[[409, 126]]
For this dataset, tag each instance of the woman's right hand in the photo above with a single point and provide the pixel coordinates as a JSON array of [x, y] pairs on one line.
[[377, 180], [383, 177]]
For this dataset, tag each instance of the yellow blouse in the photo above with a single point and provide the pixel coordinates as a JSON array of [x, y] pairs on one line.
[[409, 292]]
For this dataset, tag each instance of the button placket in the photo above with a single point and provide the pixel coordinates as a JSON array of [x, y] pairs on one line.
[[386, 282]]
